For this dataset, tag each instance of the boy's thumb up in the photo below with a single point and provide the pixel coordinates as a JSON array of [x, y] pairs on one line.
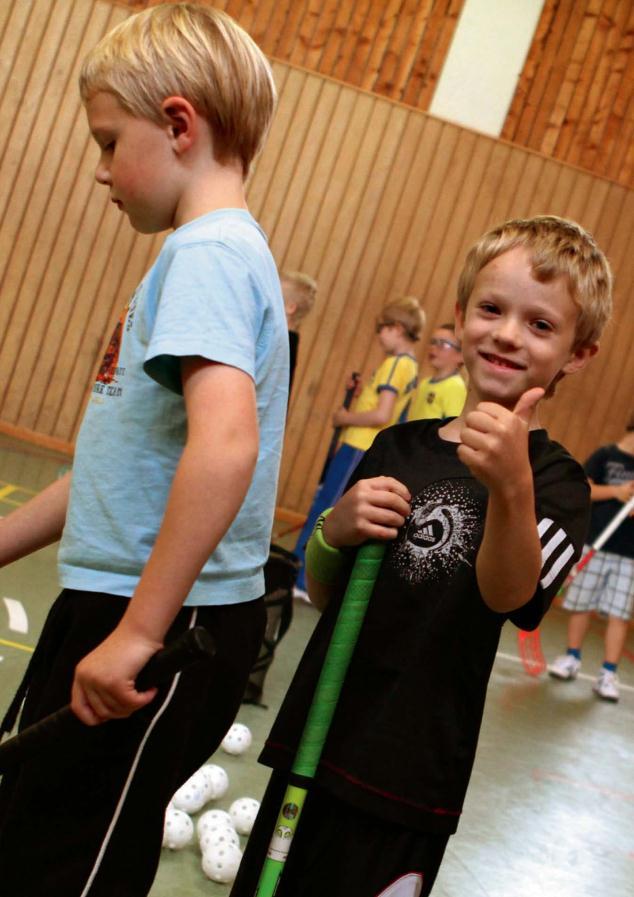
[[527, 403]]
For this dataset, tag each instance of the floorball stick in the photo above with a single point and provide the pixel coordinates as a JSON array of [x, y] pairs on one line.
[[529, 643], [342, 642], [62, 727], [355, 377]]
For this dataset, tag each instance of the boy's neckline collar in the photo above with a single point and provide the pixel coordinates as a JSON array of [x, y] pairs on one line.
[[229, 210], [446, 377]]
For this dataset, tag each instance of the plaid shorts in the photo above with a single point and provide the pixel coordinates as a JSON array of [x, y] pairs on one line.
[[606, 585]]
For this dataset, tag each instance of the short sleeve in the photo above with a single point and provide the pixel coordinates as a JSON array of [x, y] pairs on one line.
[[595, 466], [562, 497], [395, 375], [207, 306]]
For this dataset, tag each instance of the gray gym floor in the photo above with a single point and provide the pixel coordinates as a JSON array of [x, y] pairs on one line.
[[550, 808]]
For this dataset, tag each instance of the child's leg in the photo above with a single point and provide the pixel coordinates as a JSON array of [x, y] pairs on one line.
[[91, 817], [577, 628], [615, 638], [341, 851]]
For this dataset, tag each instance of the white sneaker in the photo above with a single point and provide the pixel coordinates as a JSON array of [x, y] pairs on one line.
[[607, 685], [566, 666], [301, 595]]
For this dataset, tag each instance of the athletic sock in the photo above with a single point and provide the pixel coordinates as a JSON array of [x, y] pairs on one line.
[[611, 667], [576, 652]]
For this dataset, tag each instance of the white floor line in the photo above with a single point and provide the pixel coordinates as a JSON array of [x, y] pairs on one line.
[[585, 676], [18, 620]]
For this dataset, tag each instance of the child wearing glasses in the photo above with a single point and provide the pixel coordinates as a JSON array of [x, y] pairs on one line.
[[383, 401], [443, 394]]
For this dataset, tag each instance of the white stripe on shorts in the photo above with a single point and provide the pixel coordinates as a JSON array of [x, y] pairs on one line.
[[128, 782]]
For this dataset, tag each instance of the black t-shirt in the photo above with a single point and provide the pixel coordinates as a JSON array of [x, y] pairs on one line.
[[609, 466], [403, 738]]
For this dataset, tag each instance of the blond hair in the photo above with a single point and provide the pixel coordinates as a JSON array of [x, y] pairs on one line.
[[557, 247], [407, 312], [302, 293], [194, 52]]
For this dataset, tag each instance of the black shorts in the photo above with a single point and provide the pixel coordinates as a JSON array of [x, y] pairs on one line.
[[86, 819], [341, 851]]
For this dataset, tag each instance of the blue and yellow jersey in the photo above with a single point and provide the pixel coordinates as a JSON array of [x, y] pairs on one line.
[[438, 398], [398, 373]]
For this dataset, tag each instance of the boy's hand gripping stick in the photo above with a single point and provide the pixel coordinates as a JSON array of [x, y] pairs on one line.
[[62, 727], [342, 643]]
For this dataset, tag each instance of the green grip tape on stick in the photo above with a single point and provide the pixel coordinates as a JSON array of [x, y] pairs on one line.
[[344, 638]]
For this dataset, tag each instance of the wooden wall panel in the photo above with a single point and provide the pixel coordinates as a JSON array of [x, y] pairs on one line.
[[373, 198], [395, 48], [574, 100]]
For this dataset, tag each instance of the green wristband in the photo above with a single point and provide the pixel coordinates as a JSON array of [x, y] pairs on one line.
[[323, 562]]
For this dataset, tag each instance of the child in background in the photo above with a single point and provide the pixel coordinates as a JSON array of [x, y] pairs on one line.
[[280, 571], [382, 401], [299, 291], [166, 519], [443, 394], [606, 584], [484, 516]]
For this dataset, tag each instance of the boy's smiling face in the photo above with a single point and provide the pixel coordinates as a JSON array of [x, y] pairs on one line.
[[136, 162], [517, 332]]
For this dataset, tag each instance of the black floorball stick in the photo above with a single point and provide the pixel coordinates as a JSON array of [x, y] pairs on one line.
[[355, 377], [64, 728]]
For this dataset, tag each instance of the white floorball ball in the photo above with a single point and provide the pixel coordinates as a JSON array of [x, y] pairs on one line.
[[217, 780], [221, 863], [218, 835], [193, 795], [211, 819], [178, 829], [237, 740], [243, 812]]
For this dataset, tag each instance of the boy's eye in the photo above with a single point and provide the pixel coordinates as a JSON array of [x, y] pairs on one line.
[[542, 325], [489, 308]]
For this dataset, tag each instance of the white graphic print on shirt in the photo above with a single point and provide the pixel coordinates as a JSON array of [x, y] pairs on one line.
[[439, 534]]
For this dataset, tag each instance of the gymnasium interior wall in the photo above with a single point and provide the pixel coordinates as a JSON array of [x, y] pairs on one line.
[[373, 197]]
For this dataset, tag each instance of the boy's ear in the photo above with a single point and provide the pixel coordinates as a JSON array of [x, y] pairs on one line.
[[579, 358], [459, 323], [182, 120]]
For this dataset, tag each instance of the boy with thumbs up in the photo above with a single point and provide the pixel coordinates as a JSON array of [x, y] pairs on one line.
[[484, 516]]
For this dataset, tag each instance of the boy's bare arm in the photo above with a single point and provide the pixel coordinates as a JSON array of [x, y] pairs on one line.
[[376, 417], [211, 481], [371, 509], [603, 492], [36, 524], [495, 448]]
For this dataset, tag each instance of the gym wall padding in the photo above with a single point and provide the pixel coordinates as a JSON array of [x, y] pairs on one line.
[[373, 198]]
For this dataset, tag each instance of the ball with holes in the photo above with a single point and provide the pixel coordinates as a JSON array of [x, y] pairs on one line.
[[243, 812], [220, 834], [237, 740], [221, 863], [193, 795], [217, 780], [178, 829], [211, 819]]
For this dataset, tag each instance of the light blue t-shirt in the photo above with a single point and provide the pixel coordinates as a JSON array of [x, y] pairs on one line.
[[214, 292]]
